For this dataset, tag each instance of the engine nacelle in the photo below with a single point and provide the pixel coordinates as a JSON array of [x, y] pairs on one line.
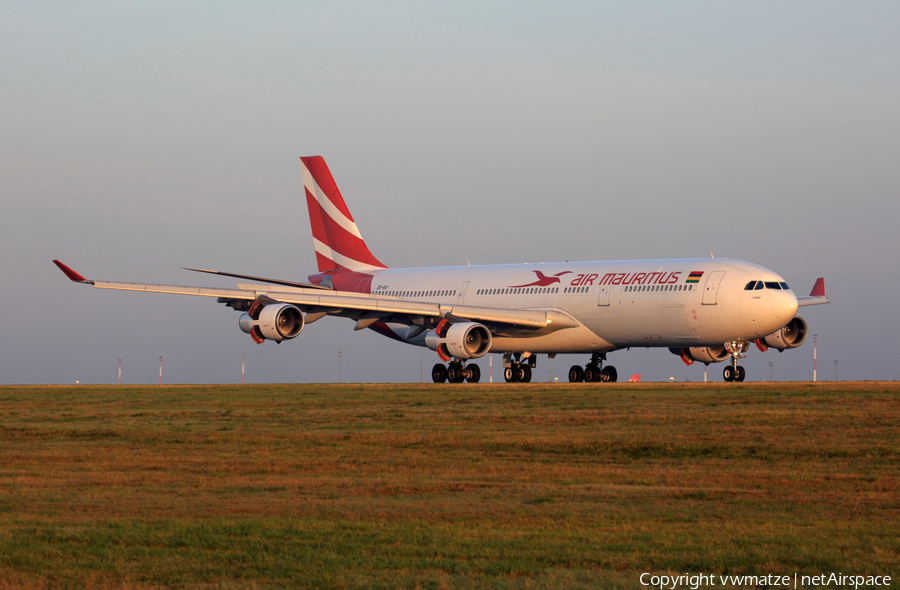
[[467, 340], [790, 336], [273, 322], [703, 354]]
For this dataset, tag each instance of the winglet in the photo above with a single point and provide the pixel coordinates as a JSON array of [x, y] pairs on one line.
[[73, 276], [818, 289]]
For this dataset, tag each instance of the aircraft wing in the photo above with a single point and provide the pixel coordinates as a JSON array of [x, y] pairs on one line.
[[365, 309], [816, 296]]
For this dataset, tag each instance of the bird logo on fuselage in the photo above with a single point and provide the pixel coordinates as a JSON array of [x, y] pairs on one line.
[[543, 280]]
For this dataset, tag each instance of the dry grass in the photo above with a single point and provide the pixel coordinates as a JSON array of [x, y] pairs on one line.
[[528, 486]]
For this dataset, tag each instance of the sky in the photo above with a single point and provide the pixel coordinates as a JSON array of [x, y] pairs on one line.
[[139, 138]]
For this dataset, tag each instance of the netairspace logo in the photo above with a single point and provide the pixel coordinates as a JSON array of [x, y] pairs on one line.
[[696, 581]]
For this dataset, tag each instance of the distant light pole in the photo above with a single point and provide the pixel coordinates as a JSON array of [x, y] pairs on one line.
[[339, 366], [836, 371], [160, 370], [243, 361], [120, 371], [815, 346], [771, 373]]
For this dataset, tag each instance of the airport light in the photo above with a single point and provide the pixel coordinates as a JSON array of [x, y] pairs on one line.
[[120, 371], [836, 371], [339, 366], [771, 372], [815, 346], [243, 361], [160, 370]]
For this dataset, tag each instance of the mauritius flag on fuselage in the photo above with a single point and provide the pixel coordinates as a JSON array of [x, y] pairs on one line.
[[694, 277]]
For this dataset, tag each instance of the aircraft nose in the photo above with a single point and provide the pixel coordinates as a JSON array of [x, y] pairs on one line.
[[785, 305]]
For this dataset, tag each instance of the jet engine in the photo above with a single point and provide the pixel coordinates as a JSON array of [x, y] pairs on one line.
[[790, 336], [278, 321], [704, 354], [467, 340]]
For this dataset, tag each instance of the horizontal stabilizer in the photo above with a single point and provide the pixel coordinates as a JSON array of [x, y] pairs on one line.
[[260, 279]]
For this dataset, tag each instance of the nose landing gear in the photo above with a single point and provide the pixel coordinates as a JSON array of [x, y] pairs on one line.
[[737, 349]]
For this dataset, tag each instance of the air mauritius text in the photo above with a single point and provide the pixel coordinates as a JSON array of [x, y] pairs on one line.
[[630, 278]]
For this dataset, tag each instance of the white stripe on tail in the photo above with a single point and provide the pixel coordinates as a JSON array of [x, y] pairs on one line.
[[336, 239]]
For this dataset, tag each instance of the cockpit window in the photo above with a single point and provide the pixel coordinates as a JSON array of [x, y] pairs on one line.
[[750, 286], [773, 285], [784, 286], [759, 285]]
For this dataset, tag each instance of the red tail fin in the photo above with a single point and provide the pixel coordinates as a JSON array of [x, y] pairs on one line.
[[336, 238]]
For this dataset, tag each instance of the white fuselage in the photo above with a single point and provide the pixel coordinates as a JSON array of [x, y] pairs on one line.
[[618, 304]]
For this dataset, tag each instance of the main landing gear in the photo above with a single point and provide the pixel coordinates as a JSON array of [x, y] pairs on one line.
[[737, 350], [594, 371], [456, 372], [517, 369]]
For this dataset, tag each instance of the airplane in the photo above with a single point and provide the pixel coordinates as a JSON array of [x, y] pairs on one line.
[[702, 310]]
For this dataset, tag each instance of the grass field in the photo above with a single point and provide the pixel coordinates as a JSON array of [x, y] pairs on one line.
[[408, 486]]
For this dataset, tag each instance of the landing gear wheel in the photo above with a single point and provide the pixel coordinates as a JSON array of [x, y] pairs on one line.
[[576, 374], [525, 373], [511, 374], [591, 373], [439, 373], [609, 374], [455, 373], [741, 373], [473, 373], [728, 373]]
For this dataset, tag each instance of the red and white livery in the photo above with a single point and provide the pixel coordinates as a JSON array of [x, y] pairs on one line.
[[702, 310]]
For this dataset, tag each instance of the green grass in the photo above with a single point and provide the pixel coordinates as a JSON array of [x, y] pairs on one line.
[[405, 486]]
